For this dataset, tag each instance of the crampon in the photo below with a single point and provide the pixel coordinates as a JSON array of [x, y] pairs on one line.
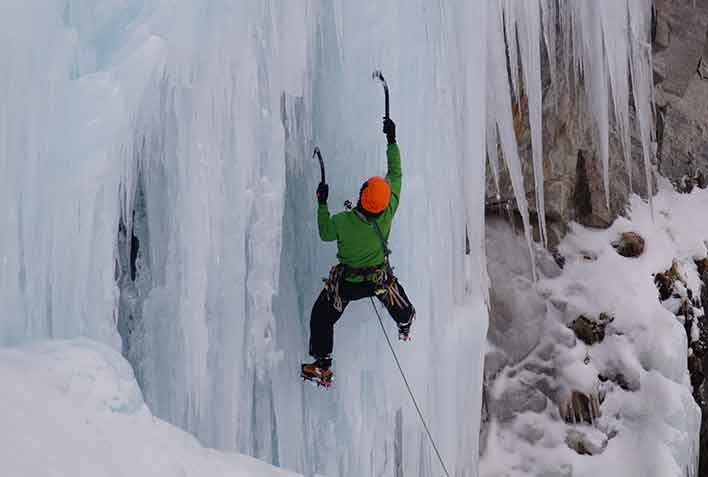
[[318, 375]]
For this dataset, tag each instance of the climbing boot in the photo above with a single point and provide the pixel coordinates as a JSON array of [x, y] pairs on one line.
[[319, 372], [404, 330]]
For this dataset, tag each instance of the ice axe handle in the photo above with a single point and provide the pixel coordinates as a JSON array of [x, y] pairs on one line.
[[317, 153], [379, 76]]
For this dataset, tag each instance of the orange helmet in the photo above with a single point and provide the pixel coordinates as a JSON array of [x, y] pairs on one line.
[[375, 195]]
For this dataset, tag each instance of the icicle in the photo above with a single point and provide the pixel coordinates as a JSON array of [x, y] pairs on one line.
[[529, 35], [642, 82], [565, 42], [596, 81], [509, 21], [550, 16], [501, 103], [492, 141], [597, 50], [615, 20]]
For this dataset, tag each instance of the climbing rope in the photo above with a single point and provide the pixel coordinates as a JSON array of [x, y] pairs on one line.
[[410, 391]]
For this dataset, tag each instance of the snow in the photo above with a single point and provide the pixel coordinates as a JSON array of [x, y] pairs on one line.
[[652, 424], [74, 408]]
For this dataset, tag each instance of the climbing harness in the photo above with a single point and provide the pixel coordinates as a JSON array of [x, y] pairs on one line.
[[378, 275], [386, 283], [408, 387]]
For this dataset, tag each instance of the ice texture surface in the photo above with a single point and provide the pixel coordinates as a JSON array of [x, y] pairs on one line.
[[157, 181]]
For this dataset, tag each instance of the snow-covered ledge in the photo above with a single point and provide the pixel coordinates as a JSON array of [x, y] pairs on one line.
[[74, 408]]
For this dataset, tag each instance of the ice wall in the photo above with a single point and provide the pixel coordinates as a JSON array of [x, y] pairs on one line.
[[155, 166], [435, 64], [67, 98], [155, 173]]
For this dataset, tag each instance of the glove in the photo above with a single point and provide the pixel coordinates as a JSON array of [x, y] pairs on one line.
[[389, 129], [322, 193]]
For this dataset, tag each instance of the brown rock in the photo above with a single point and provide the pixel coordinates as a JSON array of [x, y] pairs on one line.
[[630, 244], [702, 265], [578, 407], [591, 331], [664, 281]]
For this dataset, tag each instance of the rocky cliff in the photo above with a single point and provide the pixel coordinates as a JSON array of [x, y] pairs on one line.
[[573, 174], [524, 370], [681, 77]]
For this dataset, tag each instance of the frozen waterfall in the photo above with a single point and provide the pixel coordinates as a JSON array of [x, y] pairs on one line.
[[158, 195]]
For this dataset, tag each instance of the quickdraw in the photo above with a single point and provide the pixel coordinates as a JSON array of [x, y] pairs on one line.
[[333, 285], [387, 287]]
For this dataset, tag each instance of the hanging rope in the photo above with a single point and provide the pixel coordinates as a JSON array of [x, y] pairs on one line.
[[410, 391]]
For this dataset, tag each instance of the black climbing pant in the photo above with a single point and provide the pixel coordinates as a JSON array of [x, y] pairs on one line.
[[325, 314]]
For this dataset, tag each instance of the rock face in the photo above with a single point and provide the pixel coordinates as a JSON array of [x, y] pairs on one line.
[[518, 329], [700, 351], [690, 308], [676, 295], [680, 62], [680, 56], [574, 188]]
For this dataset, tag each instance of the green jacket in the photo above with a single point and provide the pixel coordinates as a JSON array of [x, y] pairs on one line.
[[358, 244]]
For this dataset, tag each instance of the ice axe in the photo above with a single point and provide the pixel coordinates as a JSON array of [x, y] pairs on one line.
[[317, 153], [378, 75]]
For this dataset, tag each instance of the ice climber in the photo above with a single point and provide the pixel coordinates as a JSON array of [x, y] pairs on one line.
[[363, 270]]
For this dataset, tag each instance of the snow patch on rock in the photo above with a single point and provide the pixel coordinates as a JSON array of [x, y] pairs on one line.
[[647, 422]]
